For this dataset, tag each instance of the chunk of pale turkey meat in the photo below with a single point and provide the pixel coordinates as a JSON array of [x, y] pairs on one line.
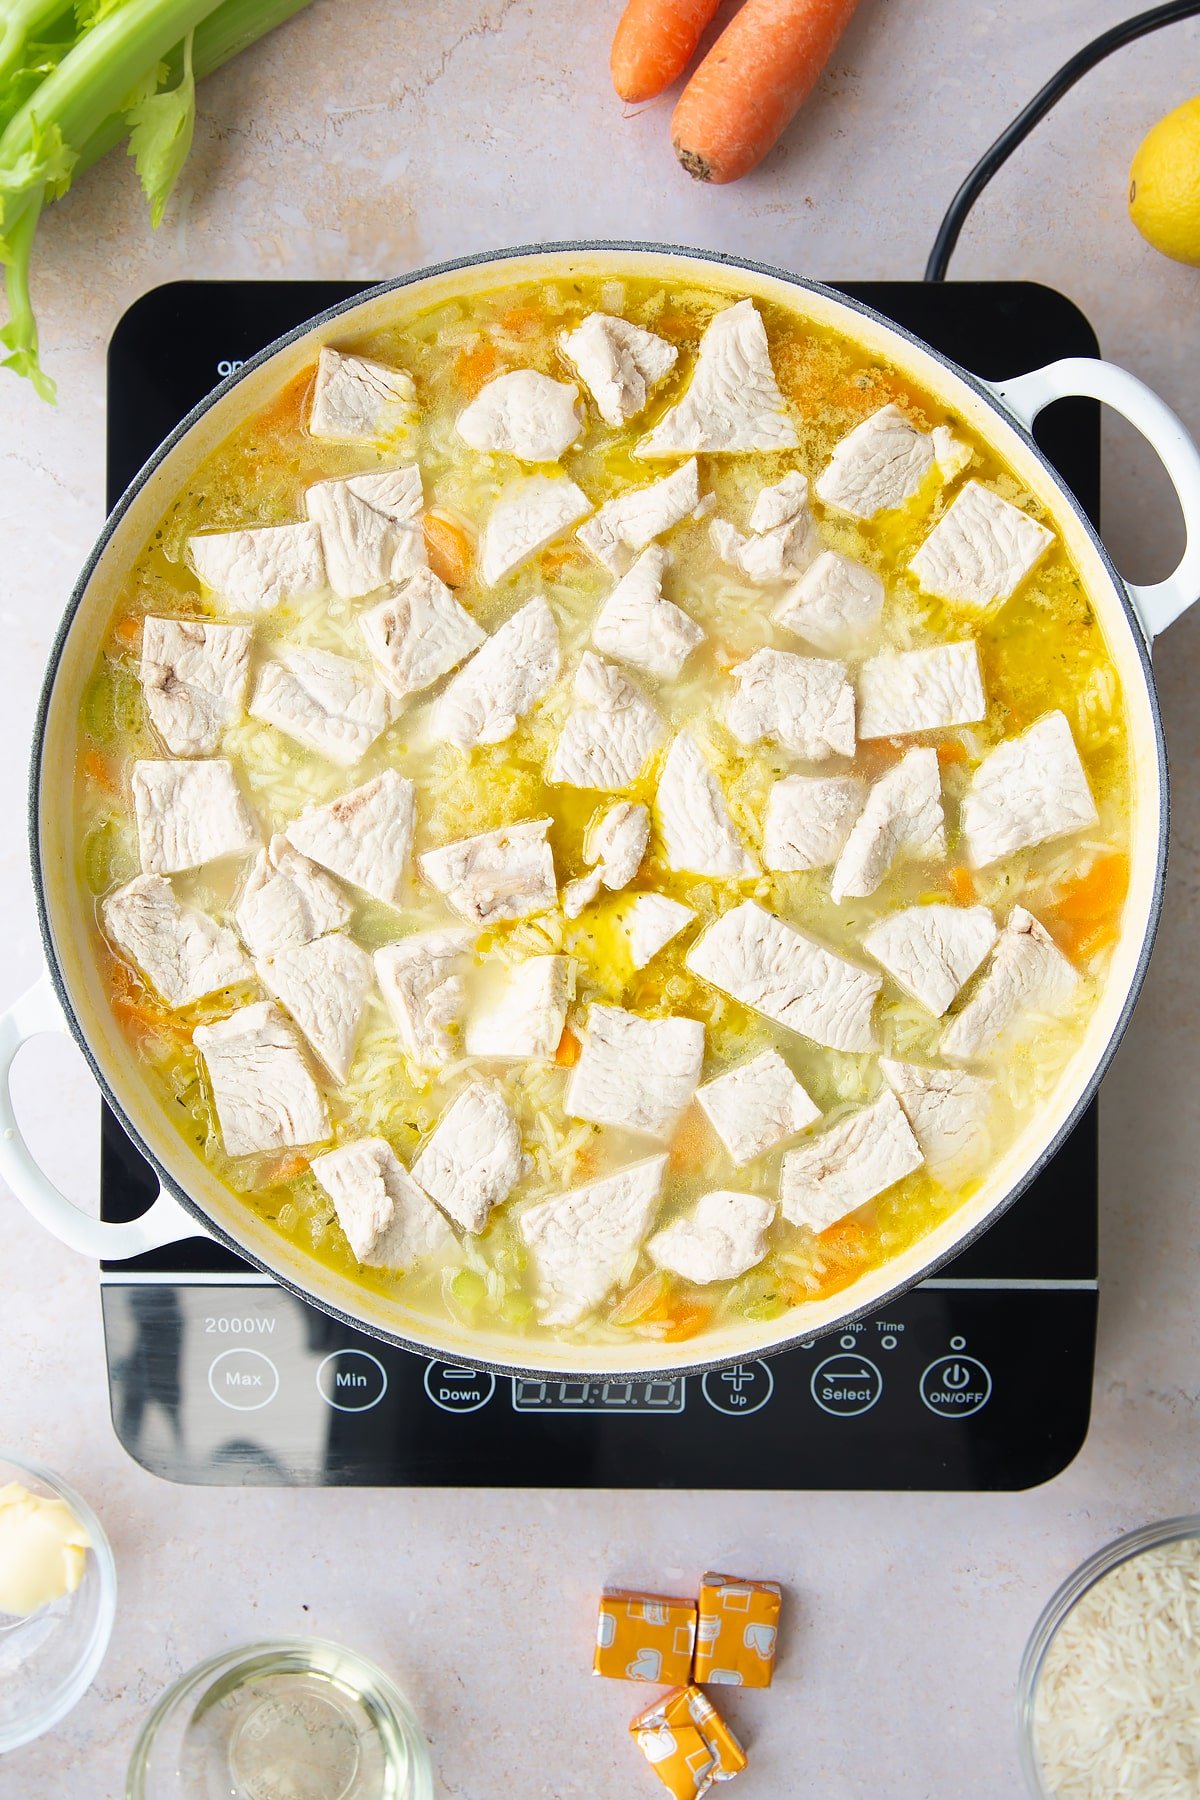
[[981, 549], [364, 836], [843, 1167], [473, 1158], [699, 836], [616, 846], [770, 966], [617, 362], [611, 733], [421, 980], [920, 690], [260, 567], [733, 402], [507, 676], [637, 1074], [357, 400], [265, 1096], [328, 703], [418, 634], [287, 900], [877, 466], [756, 1106], [371, 528], [638, 626], [1026, 791], [188, 814], [948, 1110], [529, 514], [783, 538], [194, 677], [809, 818], [836, 605], [932, 951], [181, 951], [805, 703], [585, 1241], [632, 519], [520, 1010], [724, 1235], [1028, 975], [388, 1221], [523, 414], [503, 874], [902, 816], [324, 985], [650, 922]]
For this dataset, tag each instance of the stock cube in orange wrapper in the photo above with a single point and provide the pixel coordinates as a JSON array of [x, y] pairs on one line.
[[687, 1743], [644, 1637], [737, 1633]]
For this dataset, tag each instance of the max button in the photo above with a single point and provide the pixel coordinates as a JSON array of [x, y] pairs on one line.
[[456, 1389], [739, 1390], [243, 1379], [352, 1381], [954, 1387], [846, 1385]]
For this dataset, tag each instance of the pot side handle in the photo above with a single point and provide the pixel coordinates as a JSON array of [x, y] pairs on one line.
[[165, 1222], [1159, 604]]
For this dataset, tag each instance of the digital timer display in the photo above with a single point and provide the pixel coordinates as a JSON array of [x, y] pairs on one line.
[[662, 1396]]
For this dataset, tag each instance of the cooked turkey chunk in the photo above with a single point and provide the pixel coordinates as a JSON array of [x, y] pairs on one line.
[[188, 814], [585, 1241], [932, 951], [371, 528], [635, 1073], [421, 980], [326, 702], [1027, 790], [528, 415], [948, 1111], [616, 845], [638, 626], [617, 362], [1028, 974], [981, 549], [358, 400], [724, 1235], [611, 733], [842, 1168], [632, 519], [836, 605], [262, 567], [388, 1221], [809, 818], [756, 1106], [651, 921], [522, 1011], [902, 816], [699, 836], [502, 681], [324, 986], [878, 465], [768, 965], [783, 534], [504, 874], [265, 1096], [181, 951], [529, 514], [364, 836], [470, 1163], [287, 901], [733, 402], [920, 690], [806, 703], [418, 634], [194, 677]]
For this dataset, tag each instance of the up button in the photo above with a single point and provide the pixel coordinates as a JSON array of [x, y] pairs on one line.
[[956, 1386]]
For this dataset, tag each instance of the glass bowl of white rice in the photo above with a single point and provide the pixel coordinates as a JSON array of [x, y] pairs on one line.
[[1108, 1700]]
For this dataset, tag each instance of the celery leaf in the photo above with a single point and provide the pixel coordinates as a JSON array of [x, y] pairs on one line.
[[160, 136]]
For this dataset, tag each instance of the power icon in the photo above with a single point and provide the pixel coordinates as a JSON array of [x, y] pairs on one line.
[[955, 1376], [954, 1387]]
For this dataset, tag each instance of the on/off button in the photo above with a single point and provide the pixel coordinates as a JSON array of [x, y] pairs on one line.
[[956, 1386]]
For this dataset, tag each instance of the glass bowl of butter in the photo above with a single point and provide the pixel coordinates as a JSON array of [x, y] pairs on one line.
[[58, 1597]]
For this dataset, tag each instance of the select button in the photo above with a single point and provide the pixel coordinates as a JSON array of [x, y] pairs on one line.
[[846, 1385], [352, 1381]]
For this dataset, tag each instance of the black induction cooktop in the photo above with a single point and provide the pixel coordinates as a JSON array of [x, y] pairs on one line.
[[980, 1378]]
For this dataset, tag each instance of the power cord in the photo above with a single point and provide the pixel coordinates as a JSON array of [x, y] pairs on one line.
[[994, 158]]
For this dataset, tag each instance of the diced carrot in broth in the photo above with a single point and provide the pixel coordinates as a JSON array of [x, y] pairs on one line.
[[692, 1144], [950, 751], [286, 1168], [449, 548], [962, 884], [648, 1300], [128, 631], [688, 1317], [521, 320], [286, 412], [472, 368], [99, 770], [569, 1049]]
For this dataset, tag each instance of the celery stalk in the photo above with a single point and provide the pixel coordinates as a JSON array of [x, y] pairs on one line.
[[22, 22]]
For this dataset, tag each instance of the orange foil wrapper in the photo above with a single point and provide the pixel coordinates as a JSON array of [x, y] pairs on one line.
[[687, 1743], [644, 1637], [737, 1633]]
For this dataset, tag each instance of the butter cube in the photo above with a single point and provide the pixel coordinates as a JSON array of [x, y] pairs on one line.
[[687, 1743], [644, 1637], [737, 1632]]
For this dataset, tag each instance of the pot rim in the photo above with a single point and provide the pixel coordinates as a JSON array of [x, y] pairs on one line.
[[582, 247]]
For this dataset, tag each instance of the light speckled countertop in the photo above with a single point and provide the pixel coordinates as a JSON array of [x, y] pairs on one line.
[[363, 140]]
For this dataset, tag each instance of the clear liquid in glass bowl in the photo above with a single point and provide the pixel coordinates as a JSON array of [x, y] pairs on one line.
[[297, 1719]]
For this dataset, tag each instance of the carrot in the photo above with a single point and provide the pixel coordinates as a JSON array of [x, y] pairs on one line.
[[685, 1320], [562, 556], [473, 367], [98, 769], [654, 44], [285, 1168], [1089, 908], [753, 82], [520, 320], [449, 548], [569, 1049], [128, 631], [691, 1145], [951, 750], [284, 412], [962, 885], [648, 1300]]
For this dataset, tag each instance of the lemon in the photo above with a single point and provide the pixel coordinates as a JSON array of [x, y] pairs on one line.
[[1164, 184]]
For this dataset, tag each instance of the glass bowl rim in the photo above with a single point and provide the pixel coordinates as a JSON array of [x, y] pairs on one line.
[[71, 1691], [209, 1666], [1058, 1608]]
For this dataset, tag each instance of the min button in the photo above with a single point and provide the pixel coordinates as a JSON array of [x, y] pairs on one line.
[[352, 1381], [956, 1386]]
